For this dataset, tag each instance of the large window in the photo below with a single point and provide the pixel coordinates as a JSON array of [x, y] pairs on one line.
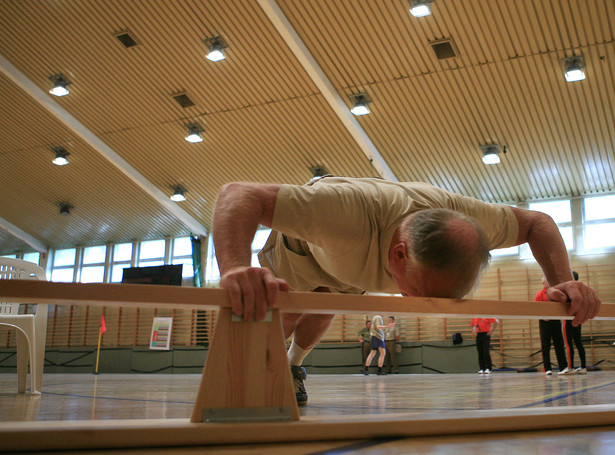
[[182, 254], [93, 264], [152, 252], [64, 265], [121, 259], [212, 273], [599, 223], [561, 214]]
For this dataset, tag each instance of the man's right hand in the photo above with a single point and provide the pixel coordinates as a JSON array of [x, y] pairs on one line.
[[252, 290]]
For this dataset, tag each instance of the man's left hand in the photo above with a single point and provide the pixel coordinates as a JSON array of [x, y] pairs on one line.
[[584, 303]]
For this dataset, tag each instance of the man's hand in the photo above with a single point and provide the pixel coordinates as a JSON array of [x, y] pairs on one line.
[[584, 303], [252, 290]]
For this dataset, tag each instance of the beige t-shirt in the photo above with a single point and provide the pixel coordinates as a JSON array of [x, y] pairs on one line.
[[337, 232]]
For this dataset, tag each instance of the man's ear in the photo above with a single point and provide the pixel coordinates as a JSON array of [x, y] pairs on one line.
[[399, 256]]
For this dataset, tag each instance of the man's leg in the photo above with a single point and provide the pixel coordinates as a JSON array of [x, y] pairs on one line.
[[307, 330]]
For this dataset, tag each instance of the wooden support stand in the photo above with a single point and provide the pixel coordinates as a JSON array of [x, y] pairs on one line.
[[246, 376]]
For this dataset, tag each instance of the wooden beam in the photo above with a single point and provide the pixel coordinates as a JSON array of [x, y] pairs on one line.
[[98, 294], [113, 434]]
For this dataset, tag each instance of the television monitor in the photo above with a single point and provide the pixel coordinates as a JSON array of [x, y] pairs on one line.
[[162, 274]]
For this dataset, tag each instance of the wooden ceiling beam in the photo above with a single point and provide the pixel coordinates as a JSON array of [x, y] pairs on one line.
[[294, 42], [7, 68]]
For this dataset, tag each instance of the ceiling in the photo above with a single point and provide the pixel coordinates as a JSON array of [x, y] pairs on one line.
[[278, 105]]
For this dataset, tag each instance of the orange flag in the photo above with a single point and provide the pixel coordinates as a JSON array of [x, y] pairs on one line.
[[103, 326]]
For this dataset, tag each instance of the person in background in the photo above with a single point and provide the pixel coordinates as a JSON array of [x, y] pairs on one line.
[[365, 338], [481, 330], [551, 329], [573, 334], [377, 332], [391, 337]]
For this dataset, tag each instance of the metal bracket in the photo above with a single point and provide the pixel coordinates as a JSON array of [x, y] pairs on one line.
[[237, 415], [268, 318]]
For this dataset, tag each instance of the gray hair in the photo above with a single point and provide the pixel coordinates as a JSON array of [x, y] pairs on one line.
[[438, 243]]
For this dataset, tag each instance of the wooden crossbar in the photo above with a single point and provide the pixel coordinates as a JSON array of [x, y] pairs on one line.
[[114, 434], [98, 294], [246, 376]]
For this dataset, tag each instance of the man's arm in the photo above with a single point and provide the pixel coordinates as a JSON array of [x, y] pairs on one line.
[[549, 250], [240, 208]]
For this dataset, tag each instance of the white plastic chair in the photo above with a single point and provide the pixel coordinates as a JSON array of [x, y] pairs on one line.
[[31, 328]]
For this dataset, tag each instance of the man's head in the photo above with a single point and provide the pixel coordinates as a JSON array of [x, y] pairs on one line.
[[391, 319], [368, 324], [439, 253]]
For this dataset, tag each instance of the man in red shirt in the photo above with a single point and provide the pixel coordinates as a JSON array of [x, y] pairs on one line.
[[481, 329]]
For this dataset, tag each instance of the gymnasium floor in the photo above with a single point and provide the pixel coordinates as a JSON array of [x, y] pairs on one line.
[[89, 397]]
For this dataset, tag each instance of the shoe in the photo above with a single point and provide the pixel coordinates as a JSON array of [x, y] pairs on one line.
[[381, 372], [487, 371], [580, 370], [481, 372], [299, 374], [566, 371], [548, 373], [365, 371]]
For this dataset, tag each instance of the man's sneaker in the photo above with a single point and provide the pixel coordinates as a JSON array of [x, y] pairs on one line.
[[548, 372], [481, 372], [566, 371], [380, 371], [299, 374], [487, 371], [580, 370]]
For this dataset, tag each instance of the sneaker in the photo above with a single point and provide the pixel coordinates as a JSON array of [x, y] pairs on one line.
[[548, 373], [566, 371], [381, 371], [487, 371], [580, 370], [299, 374], [481, 372]]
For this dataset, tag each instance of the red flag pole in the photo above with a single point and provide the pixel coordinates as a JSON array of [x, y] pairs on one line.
[[103, 329]]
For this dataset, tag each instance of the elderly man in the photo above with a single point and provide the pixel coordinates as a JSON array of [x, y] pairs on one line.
[[354, 235]]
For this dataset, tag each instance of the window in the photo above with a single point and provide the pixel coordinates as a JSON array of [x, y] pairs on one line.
[[182, 254], [63, 266], [212, 271], [152, 253], [562, 215], [93, 265], [32, 257], [121, 259], [599, 223]]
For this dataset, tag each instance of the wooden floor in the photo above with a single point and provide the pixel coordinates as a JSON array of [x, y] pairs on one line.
[[90, 397]]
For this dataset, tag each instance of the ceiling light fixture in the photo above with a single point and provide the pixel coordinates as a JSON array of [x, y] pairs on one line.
[[420, 8], [491, 153], [60, 85], [574, 68], [65, 208], [194, 133], [216, 47], [179, 193], [360, 101], [61, 156]]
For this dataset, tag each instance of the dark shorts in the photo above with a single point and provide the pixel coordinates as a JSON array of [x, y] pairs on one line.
[[377, 343]]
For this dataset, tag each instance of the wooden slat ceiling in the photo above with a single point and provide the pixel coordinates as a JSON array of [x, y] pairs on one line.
[[265, 120]]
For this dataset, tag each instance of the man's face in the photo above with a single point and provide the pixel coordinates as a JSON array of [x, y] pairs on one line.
[[423, 282], [390, 320], [368, 324]]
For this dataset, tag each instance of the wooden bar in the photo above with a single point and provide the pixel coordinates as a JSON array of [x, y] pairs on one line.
[[113, 434], [139, 295]]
